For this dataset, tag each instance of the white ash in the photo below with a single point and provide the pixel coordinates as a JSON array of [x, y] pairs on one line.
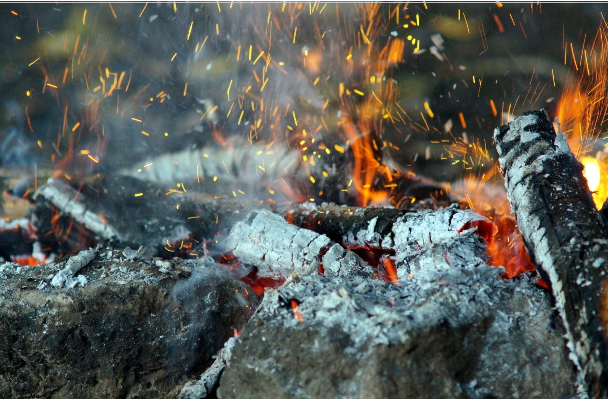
[[62, 196], [466, 249], [208, 381], [65, 277], [380, 313], [277, 248]]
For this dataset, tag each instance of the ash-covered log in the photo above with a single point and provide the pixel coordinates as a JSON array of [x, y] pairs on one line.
[[131, 328], [390, 228], [277, 248], [447, 333], [564, 234]]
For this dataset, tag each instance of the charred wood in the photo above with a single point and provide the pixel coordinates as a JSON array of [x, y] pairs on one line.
[[129, 212], [564, 234], [390, 228], [277, 248]]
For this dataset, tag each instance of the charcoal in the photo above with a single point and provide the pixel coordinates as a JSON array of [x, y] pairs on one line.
[[136, 329], [462, 333]]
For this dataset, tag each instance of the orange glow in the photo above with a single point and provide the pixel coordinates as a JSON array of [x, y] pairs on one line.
[[313, 63], [296, 310], [507, 248]]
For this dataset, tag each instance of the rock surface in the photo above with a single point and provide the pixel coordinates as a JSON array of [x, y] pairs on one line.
[[457, 333], [136, 329]]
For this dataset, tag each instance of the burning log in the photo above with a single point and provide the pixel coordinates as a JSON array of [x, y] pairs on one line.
[[129, 212], [390, 228], [464, 250], [277, 248], [564, 234]]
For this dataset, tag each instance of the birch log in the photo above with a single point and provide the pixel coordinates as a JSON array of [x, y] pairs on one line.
[[564, 234]]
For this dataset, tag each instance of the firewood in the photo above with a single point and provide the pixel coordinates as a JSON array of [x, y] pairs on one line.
[[277, 248], [128, 212], [391, 228], [564, 234]]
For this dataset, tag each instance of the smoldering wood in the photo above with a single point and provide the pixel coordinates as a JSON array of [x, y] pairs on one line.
[[464, 250], [256, 167], [207, 384], [16, 238], [277, 248], [390, 228], [100, 209], [450, 333], [138, 328], [564, 234]]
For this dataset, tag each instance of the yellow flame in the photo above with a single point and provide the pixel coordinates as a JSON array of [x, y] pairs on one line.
[[591, 172]]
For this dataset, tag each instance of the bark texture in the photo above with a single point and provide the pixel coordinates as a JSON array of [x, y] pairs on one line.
[[564, 234]]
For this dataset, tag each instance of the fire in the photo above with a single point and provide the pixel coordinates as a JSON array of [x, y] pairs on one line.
[[583, 107], [591, 172]]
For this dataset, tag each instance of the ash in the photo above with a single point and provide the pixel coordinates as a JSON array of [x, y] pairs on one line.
[[377, 312], [459, 332]]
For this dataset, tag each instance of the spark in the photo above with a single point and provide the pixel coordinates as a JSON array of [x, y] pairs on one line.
[[462, 121], [189, 31], [139, 194], [112, 8], [428, 109], [143, 9], [76, 126], [256, 60], [33, 62]]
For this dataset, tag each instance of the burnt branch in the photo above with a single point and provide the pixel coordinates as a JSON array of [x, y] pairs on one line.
[[564, 234]]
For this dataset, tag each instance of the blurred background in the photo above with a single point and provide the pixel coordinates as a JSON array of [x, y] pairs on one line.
[[107, 88]]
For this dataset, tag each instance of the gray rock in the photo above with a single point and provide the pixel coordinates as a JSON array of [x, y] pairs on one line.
[[459, 333], [133, 331]]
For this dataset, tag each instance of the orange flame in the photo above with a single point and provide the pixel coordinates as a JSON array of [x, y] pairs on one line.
[[366, 167]]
